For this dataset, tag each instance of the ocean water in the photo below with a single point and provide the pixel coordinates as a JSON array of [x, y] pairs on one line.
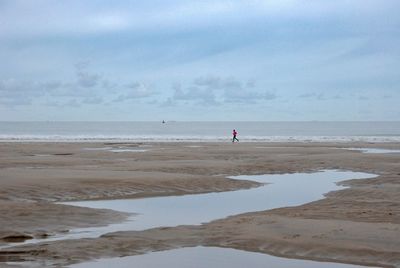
[[200, 131]]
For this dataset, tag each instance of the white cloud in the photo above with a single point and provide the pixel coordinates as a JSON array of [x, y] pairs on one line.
[[135, 90], [93, 100], [86, 88], [85, 79], [107, 22], [202, 95], [73, 103], [213, 90]]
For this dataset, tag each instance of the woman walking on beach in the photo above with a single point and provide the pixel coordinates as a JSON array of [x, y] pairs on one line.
[[234, 133]]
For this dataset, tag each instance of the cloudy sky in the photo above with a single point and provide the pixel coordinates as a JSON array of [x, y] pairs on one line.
[[270, 60]]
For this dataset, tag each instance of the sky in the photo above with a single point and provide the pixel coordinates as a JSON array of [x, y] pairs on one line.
[[271, 60]]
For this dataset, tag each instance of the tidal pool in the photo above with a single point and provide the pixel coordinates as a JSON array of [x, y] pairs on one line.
[[128, 150], [210, 257], [117, 149], [280, 190], [375, 150]]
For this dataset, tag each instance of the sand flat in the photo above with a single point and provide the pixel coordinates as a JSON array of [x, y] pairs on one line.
[[357, 225]]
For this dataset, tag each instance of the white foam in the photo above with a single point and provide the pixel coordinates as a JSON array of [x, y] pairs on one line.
[[186, 138]]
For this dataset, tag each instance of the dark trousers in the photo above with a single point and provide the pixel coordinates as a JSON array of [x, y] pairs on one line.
[[234, 138]]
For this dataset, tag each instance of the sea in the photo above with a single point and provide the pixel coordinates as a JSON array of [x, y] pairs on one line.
[[176, 131]]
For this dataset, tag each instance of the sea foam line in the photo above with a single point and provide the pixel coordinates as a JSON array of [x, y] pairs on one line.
[[182, 138]]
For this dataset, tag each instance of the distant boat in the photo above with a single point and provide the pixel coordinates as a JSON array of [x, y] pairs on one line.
[[163, 122]]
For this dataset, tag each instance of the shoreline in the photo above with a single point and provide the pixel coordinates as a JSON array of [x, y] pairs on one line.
[[191, 170], [200, 139]]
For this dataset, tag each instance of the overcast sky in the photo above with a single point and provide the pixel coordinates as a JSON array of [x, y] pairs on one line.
[[151, 60]]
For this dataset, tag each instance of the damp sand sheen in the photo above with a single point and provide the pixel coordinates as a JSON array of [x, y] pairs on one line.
[[280, 190]]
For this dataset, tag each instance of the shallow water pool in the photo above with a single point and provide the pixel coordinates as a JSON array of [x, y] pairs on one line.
[[209, 257], [375, 150], [280, 190]]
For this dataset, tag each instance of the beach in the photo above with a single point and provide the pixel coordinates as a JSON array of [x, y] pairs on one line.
[[217, 134], [359, 224]]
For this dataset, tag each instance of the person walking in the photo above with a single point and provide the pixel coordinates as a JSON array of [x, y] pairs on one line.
[[234, 133]]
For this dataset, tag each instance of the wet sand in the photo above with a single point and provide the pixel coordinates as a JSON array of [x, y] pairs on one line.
[[359, 225]]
